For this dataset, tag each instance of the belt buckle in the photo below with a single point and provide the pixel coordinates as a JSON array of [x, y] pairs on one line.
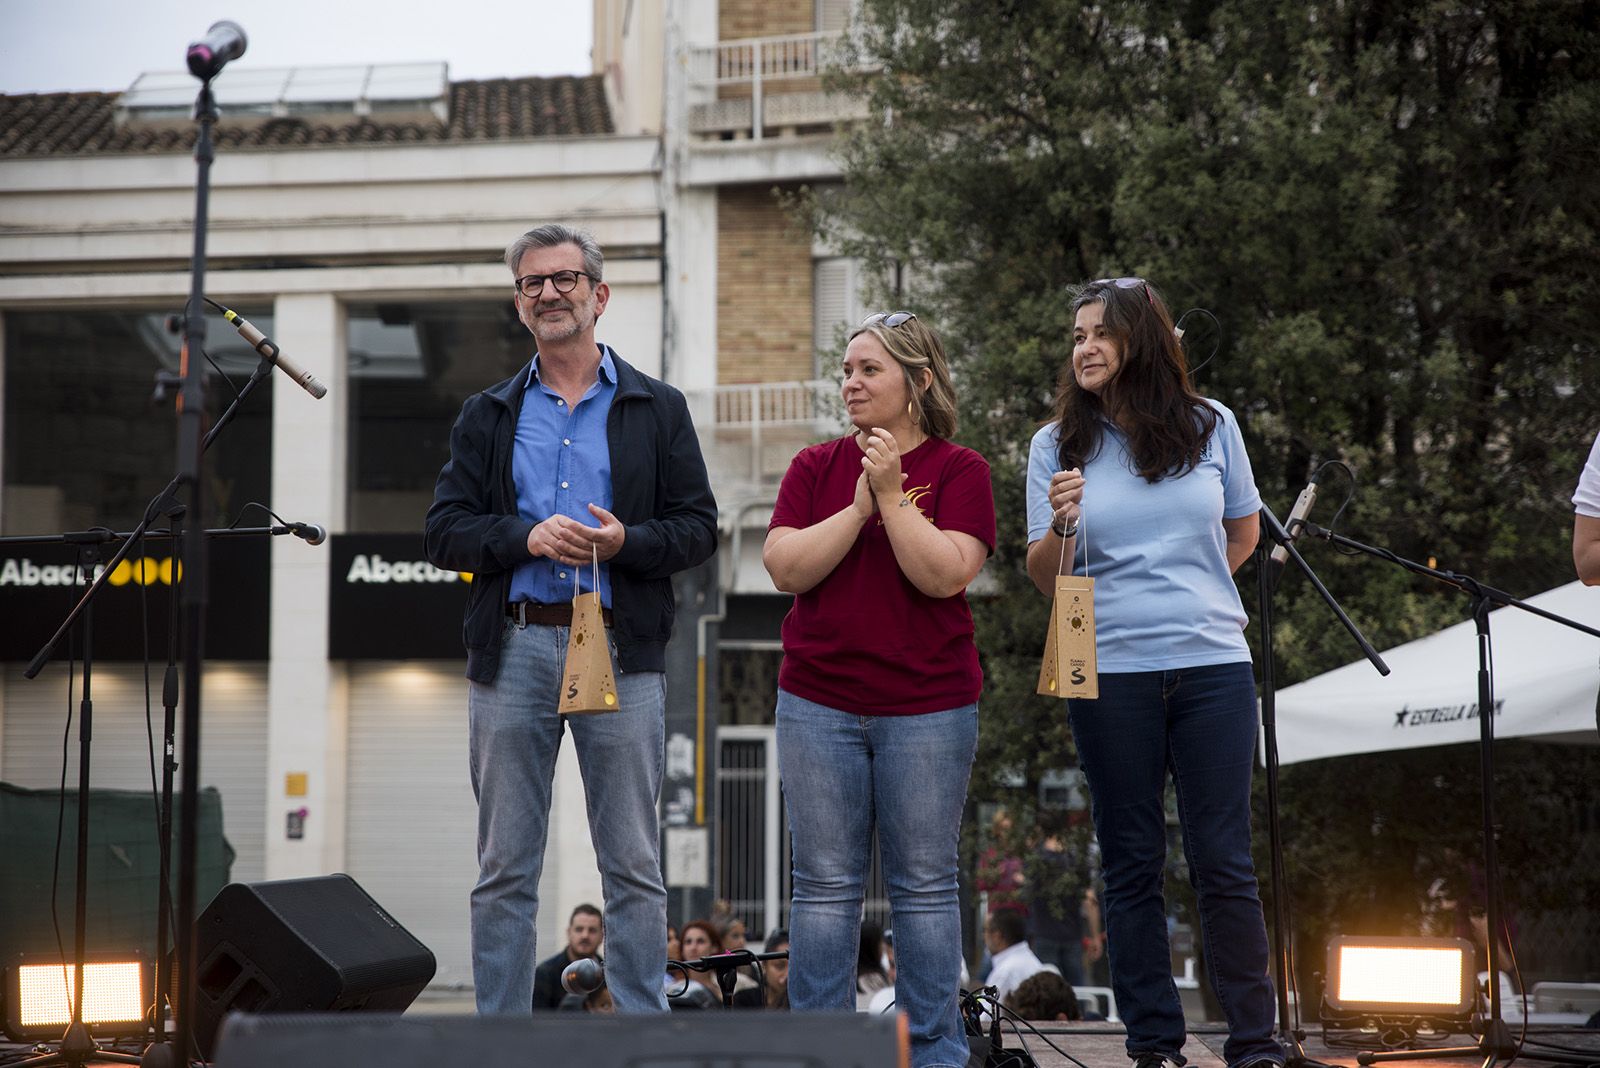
[[519, 614]]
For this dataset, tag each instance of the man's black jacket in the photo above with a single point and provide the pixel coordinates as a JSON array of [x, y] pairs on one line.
[[659, 492]]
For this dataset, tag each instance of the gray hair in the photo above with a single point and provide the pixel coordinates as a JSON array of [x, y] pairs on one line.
[[552, 234]]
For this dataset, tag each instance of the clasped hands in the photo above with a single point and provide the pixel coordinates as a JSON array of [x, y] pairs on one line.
[[565, 539], [880, 472]]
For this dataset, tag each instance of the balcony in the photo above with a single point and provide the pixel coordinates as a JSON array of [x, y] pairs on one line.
[[749, 433], [766, 86]]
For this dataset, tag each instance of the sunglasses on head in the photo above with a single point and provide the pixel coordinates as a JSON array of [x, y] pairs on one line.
[[1126, 283], [888, 319]]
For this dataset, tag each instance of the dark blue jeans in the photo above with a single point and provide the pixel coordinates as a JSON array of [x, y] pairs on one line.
[[1199, 724]]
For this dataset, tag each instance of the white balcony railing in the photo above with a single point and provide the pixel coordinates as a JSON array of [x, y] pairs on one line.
[[758, 59], [749, 433], [754, 62]]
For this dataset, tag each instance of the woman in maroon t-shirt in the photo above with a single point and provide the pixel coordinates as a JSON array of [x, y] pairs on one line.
[[877, 534]]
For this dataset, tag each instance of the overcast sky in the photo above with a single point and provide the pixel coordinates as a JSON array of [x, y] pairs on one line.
[[56, 45]]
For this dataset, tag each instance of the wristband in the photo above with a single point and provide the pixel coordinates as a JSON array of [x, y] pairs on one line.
[[1064, 532]]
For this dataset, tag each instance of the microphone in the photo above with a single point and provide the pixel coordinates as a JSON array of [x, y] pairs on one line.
[[584, 976], [313, 533], [224, 41], [268, 349], [1297, 519]]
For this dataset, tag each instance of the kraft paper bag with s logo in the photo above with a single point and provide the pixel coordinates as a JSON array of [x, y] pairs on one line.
[[1069, 667], [587, 683]]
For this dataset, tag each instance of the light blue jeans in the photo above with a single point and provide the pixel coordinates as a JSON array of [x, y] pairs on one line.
[[515, 735], [843, 774]]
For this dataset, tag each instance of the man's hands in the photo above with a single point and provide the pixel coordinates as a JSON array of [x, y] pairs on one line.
[[569, 541]]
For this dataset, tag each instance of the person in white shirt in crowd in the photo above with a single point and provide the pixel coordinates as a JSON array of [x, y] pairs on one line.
[[1006, 935]]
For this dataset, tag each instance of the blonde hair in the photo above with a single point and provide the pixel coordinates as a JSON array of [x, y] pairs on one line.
[[915, 347]]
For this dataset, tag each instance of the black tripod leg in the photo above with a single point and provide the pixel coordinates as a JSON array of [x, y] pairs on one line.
[[1283, 958]]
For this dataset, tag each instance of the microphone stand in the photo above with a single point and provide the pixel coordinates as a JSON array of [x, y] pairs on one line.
[[726, 965], [191, 450], [77, 1045], [1495, 1041], [1289, 1035]]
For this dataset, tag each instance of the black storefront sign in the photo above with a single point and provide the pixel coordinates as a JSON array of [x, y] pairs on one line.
[[40, 584], [388, 603]]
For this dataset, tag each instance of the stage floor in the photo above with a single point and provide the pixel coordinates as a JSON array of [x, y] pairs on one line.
[[1101, 1045]]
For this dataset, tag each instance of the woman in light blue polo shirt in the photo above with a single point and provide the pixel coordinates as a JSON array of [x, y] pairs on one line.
[[1144, 485]]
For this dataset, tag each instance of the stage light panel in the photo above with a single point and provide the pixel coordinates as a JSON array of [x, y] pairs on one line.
[[1400, 976], [39, 997]]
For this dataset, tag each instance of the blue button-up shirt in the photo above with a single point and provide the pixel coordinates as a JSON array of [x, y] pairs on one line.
[[561, 464]]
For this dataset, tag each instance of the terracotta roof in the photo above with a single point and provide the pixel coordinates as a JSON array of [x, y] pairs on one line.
[[76, 124]]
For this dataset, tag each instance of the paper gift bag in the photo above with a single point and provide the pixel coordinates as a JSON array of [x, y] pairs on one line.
[[588, 683], [1069, 668]]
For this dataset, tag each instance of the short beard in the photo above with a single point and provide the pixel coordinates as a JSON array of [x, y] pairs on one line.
[[583, 317]]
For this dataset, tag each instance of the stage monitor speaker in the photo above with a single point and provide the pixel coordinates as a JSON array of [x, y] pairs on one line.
[[680, 1040], [301, 945]]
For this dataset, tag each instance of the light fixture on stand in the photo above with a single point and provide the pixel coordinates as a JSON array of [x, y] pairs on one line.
[[38, 996], [1399, 992]]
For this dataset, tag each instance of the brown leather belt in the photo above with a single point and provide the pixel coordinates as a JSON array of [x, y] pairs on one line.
[[546, 615]]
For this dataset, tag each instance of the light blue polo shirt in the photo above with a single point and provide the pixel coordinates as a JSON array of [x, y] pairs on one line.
[[1163, 596]]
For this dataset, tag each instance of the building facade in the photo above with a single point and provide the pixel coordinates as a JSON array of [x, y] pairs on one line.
[[363, 234]]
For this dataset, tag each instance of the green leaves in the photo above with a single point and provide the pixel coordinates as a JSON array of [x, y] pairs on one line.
[[1390, 208]]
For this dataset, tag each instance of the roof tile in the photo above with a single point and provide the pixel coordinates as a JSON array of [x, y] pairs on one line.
[[502, 109]]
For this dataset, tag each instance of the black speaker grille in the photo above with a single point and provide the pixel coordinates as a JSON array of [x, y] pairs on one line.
[[294, 945], [360, 943]]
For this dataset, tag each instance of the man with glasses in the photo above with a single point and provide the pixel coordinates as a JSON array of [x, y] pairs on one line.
[[577, 471]]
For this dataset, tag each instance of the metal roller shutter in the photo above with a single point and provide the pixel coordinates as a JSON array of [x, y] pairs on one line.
[[233, 740], [411, 832]]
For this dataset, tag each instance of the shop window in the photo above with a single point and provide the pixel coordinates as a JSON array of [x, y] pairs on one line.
[[88, 442], [411, 367]]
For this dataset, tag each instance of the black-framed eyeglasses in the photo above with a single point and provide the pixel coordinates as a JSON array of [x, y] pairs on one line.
[[1126, 283], [888, 319], [531, 285]]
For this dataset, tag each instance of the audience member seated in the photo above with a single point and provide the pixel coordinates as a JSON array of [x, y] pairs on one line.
[[1047, 996], [1005, 935], [599, 1000], [773, 992], [585, 931]]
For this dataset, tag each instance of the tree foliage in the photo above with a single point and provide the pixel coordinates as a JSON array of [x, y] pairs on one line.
[[1391, 210]]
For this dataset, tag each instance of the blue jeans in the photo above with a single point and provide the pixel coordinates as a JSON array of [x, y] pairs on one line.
[[843, 774], [1199, 724], [515, 735]]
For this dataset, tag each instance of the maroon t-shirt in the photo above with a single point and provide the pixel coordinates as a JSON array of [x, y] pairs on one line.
[[864, 639]]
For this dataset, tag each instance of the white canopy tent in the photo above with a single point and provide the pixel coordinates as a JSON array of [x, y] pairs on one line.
[[1546, 677]]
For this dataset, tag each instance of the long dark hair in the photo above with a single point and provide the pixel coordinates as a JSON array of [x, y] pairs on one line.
[[1155, 404]]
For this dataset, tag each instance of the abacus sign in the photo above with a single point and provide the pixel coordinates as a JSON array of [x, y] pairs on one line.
[[141, 571], [40, 584], [387, 602]]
